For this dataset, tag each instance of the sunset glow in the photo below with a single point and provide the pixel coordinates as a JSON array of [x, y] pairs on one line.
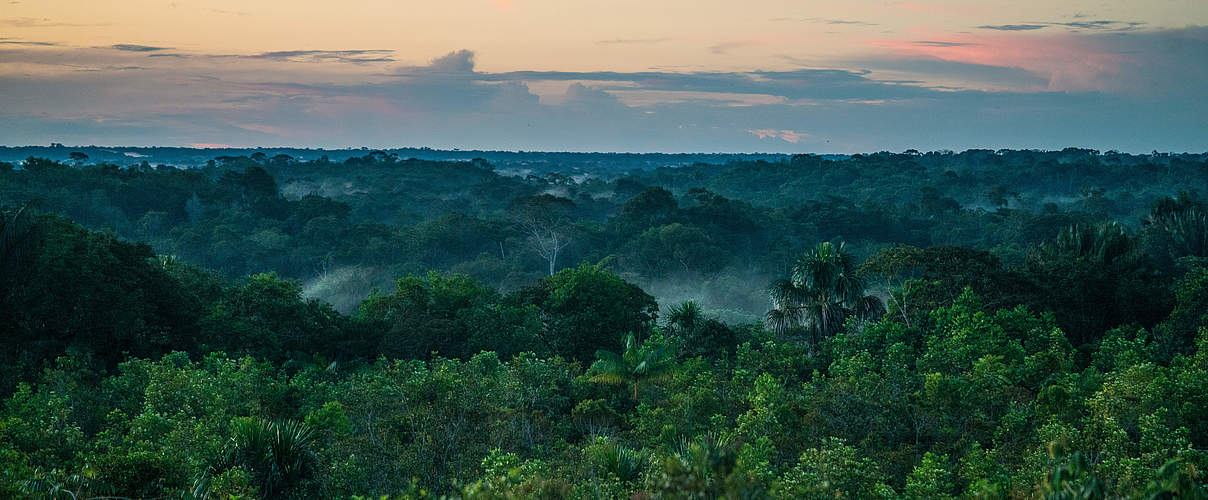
[[281, 72]]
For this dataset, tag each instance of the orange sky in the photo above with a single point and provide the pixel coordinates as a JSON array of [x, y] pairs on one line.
[[669, 75], [624, 35]]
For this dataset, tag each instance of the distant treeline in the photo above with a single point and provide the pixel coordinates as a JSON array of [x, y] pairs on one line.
[[345, 227], [538, 161]]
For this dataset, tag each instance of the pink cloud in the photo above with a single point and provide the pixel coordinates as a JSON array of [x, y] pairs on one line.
[[1069, 61]]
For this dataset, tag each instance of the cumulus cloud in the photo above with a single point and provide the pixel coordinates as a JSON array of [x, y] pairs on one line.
[[581, 95], [461, 61]]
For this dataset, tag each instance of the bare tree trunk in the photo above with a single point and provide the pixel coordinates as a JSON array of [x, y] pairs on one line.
[[553, 258]]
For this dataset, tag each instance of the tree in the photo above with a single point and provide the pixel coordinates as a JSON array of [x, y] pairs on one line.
[[588, 308], [677, 246], [277, 454], [998, 195], [1104, 245], [1094, 278], [685, 317], [933, 205], [930, 479], [1177, 333], [268, 317], [821, 292], [698, 335], [833, 470], [253, 184], [73, 288], [1186, 231], [545, 219], [896, 265], [651, 207], [636, 365], [78, 157], [17, 237], [706, 468], [454, 316]]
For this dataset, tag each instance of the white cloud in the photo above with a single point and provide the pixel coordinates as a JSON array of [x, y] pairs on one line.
[[785, 135]]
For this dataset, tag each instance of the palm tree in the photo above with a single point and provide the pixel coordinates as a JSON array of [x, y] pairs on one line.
[[55, 485], [626, 464], [636, 366], [684, 317], [823, 290], [1186, 230], [279, 455], [1103, 244]]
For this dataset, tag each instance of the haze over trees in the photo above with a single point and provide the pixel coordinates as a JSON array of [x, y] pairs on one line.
[[990, 324]]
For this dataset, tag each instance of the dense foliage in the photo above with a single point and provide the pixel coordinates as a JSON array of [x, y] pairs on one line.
[[939, 326]]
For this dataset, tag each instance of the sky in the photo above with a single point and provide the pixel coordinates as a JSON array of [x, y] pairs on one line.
[[822, 76]]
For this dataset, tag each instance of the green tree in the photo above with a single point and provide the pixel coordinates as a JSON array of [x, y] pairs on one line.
[[652, 207], [589, 308], [1094, 277], [453, 316], [822, 290], [268, 317], [833, 470], [930, 479], [278, 455], [707, 468], [637, 365], [896, 266], [698, 335], [678, 247]]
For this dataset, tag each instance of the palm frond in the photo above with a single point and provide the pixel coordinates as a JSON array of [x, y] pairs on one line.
[[824, 287], [685, 316], [784, 293], [783, 320]]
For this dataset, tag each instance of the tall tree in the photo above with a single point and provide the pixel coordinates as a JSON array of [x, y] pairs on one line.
[[546, 220], [822, 290]]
